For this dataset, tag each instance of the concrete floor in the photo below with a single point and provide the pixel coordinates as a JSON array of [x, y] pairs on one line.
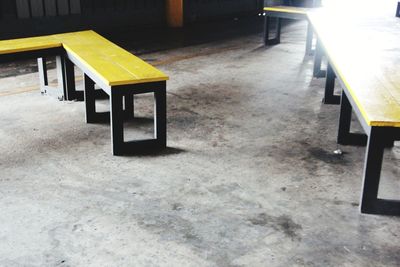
[[249, 179]]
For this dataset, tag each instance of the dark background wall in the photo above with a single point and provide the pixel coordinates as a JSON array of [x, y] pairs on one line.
[[22, 18], [32, 17], [200, 10]]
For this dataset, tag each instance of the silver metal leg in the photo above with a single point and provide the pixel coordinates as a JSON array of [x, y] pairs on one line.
[[43, 78]]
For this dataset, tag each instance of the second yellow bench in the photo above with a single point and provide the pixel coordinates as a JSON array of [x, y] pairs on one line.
[[117, 72]]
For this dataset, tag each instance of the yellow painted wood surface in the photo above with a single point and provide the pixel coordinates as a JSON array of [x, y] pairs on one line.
[[364, 48], [28, 44], [287, 9], [113, 64]]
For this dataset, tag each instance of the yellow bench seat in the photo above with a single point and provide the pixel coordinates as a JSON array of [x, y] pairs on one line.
[[115, 65], [111, 63], [111, 67], [28, 44]]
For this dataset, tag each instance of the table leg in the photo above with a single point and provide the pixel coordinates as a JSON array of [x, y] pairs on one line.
[[330, 97], [318, 73], [370, 203], [309, 41], [345, 137]]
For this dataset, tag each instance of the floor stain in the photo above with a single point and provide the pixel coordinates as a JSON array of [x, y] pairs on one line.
[[326, 156], [283, 223]]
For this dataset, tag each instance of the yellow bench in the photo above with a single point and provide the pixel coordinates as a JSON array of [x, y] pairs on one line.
[[116, 71], [362, 52], [287, 12]]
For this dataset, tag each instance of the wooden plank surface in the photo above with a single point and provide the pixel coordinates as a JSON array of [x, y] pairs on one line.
[[287, 9], [28, 44], [113, 64], [364, 48]]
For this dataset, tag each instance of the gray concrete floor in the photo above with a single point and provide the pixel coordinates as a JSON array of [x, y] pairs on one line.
[[249, 179]]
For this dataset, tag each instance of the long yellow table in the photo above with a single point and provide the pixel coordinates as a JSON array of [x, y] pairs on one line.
[[363, 53], [286, 12]]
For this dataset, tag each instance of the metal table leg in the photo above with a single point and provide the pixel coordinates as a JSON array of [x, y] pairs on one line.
[[267, 26], [370, 203], [309, 41], [330, 97], [345, 137], [318, 73]]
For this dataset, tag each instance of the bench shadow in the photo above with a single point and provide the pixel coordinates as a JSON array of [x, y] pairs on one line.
[[103, 118], [156, 152], [138, 121]]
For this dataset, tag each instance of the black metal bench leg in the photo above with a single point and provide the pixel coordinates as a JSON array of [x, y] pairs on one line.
[[160, 120], [345, 137], [370, 203], [69, 80], [90, 100], [117, 123], [330, 97], [65, 78], [90, 103], [72, 93], [117, 99], [267, 32], [318, 73], [43, 78], [62, 85], [309, 41], [398, 10], [278, 30], [129, 109], [267, 22]]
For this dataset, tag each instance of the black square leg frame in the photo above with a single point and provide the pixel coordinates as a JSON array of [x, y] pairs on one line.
[[309, 42], [345, 137], [121, 108], [330, 97], [66, 89], [66, 82], [44, 81], [370, 203], [267, 32], [319, 53], [376, 140]]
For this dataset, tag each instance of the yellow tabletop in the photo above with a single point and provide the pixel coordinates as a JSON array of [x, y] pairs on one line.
[[114, 65], [287, 9], [364, 48]]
